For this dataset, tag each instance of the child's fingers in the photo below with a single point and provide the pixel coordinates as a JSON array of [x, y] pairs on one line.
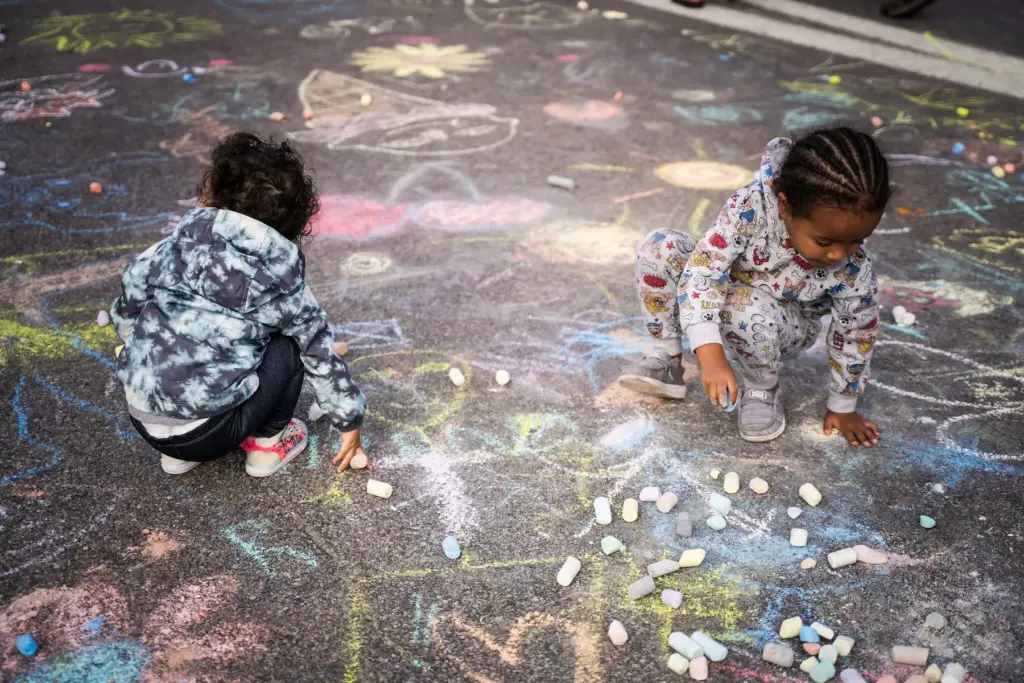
[[734, 391], [873, 427]]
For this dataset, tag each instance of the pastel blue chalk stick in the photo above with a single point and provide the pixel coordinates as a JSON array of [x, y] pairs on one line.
[[451, 548], [27, 645]]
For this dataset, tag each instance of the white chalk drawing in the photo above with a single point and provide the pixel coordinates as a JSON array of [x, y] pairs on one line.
[[543, 16], [343, 28], [365, 264], [995, 392], [375, 334], [155, 68], [703, 175], [396, 124], [51, 96]]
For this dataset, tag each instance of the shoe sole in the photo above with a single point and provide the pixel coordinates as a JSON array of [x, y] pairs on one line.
[[179, 469], [295, 451], [761, 438], [652, 387]]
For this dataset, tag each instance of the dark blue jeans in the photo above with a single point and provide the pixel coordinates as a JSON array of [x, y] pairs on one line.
[[265, 413]]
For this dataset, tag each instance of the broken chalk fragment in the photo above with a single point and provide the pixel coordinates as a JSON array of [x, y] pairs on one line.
[[678, 663], [277, 116], [582, 5], [26, 644], [933, 674], [927, 522], [667, 501], [562, 182], [684, 525], [102, 318], [823, 671], [935, 620], [808, 664], [870, 555], [340, 348], [907, 654], [720, 503], [812, 649], [790, 628], [365, 99], [95, 188], [456, 376], [758, 485], [640, 588], [603, 510], [617, 633], [650, 494], [713, 650], [692, 557], [779, 655], [842, 558], [810, 494], [916, 678], [307, 114], [716, 522], [118, 349], [876, 121], [684, 645], [451, 548], [673, 599], [809, 563], [809, 635], [662, 567], [699, 669], [502, 377], [843, 645], [731, 483], [851, 676], [359, 461], [798, 538], [715, 473], [794, 512], [315, 411], [954, 673], [828, 653], [610, 544], [630, 510], [823, 631], [903, 317], [570, 568], [886, 679], [379, 488]]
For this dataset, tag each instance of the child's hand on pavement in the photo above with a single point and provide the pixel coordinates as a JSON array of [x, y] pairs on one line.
[[856, 430], [716, 375], [350, 445]]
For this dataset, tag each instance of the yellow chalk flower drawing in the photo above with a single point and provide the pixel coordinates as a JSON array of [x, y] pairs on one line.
[[428, 59], [85, 33]]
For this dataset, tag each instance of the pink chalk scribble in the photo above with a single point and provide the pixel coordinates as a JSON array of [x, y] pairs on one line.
[[94, 68]]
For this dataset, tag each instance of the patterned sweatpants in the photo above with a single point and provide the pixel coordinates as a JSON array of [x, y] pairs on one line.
[[758, 330]]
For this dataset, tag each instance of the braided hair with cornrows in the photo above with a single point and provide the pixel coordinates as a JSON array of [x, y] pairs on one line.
[[834, 167]]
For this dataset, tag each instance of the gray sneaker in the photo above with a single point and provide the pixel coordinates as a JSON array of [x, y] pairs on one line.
[[761, 416], [657, 375]]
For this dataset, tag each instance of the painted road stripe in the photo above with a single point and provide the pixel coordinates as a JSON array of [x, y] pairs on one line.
[[923, 65], [875, 30]]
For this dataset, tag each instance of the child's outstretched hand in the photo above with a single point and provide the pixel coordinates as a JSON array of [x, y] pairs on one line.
[[350, 445], [716, 375], [856, 430]]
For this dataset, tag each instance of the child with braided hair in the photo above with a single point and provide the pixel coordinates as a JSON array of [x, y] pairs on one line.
[[786, 250]]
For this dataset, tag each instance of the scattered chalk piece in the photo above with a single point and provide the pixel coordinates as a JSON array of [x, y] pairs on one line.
[[715, 473], [359, 461], [118, 350], [365, 100], [562, 182], [456, 376], [95, 188], [307, 114], [502, 377], [339, 348], [451, 548], [926, 522], [379, 488], [959, 147], [758, 486], [582, 5], [809, 563], [25, 86], [834, 80], [810, 494], [876, 121], [188, 78], [569, 570], [991, 160], [26, 644], [277, 116], [963, 112], [998, 172], [102, 319], [617, 633], [1009, 168]]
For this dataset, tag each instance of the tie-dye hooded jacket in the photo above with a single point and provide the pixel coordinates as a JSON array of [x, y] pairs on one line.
[[198, 309]]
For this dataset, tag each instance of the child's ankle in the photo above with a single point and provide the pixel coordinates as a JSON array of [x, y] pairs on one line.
[[268, 441]]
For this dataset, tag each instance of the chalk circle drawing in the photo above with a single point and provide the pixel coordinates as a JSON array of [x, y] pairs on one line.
[[712, 115], [396, 124], [188, 633], [85, 33], [589, 113], [426, 59], [995, 394], [51, 96], [456, 637], [287, 11], [532, 17], [994, 247], [704, 175], [803, 118], [155, 68], [365, 264], [962, 300], [342, 28], [593, 243]]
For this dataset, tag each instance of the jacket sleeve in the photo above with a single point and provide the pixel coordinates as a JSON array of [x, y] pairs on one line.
[[705, 281], [852, 334], [298, 315], [134, 291]]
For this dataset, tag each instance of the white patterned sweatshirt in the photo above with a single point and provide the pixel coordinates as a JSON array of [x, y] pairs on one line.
[[749, 246]]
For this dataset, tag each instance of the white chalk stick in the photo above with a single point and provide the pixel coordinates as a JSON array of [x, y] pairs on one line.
[[617, 633], [456, 376], [102, 318], [811, 495], [907, 654], [798, 538], [359, 461], [569, 570], [828, 653], [562, 182], [842, 558], [851, 676], [684, 645], [678, 663], [823, 631], [603, 510], [662, 568], [720, 503], [673, 599], [630, 510], [650, 494], [777, 654], [731, 484], [378, 488], [954, 673], [640, 588], [716, 522], [713, 650], [610, 544], [843, 645], [502, 377], [715, 473]]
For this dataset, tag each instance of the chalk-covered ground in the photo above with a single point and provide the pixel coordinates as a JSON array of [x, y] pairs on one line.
[[442, 245]]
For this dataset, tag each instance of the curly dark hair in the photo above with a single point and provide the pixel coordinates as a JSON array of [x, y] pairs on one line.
[[262, 179], [837, 167]]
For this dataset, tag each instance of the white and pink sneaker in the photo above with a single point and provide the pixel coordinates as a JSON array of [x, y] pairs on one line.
[[263, 461]]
